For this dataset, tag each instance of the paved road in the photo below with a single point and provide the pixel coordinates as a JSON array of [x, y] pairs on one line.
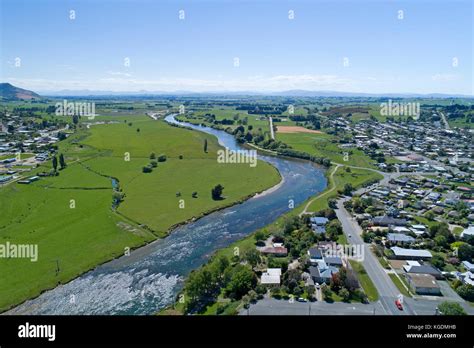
[[272, 132], [388, 292], [270, 306], [445, 121]]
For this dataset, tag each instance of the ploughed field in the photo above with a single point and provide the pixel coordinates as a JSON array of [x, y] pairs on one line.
[[70, 217]]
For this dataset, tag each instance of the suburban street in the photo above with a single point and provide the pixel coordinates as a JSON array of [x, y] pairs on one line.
[[388, 292], [270, 306]]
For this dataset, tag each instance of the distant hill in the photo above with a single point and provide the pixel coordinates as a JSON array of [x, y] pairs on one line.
[[288, 93], [10, 92]]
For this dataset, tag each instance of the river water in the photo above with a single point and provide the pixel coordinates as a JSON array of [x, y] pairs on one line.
[[149, 279]]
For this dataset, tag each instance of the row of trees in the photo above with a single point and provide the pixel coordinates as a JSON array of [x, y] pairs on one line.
[[62, 162]]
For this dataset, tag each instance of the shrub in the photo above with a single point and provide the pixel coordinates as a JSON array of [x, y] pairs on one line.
[[345, 294], [451, 308], [466, 291]]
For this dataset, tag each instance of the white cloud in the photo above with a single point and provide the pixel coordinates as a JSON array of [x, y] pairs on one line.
[[119, 81]]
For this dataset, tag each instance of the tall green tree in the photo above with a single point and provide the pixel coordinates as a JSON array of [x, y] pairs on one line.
[[242, 281], [216, 192], [62, 162], [55, 162]]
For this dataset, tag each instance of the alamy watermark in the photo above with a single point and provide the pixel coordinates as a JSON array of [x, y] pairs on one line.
[[75, 109], [19, 251], [239, 156], [400, 109], [347, 251]]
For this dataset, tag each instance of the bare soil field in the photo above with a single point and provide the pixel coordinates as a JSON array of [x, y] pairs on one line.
[[295, 129]]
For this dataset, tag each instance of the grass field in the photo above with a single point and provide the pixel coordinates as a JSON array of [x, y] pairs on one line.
[[88, 234], [398, 283], [321, 145], [252, 119], [22, 156], [357, 178], [365, 281]]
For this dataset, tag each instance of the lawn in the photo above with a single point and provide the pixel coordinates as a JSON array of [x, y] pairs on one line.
[[398, 283], [82, 237], [365, 281]]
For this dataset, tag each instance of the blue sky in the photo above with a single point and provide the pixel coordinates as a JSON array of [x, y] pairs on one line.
[[384, 53]]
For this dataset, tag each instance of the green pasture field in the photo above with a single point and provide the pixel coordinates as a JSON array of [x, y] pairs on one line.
[[321, 145]]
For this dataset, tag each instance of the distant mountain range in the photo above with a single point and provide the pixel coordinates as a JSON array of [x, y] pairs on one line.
[[10, 92], [289, 93]]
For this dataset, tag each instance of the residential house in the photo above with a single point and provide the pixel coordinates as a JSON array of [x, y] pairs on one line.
[[413, 267], [322, 273], [318, 224], [469, 266], [468, 232], [411, 254], [315, 255], [275, 250], [466, 277], [423, 284], [400, 238], [271, 276], [388, 221]]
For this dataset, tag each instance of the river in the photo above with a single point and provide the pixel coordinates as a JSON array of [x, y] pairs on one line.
[[149, 279]]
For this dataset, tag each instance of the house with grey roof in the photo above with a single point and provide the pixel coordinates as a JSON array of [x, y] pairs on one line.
[[423, 269], [400, 238], [411, 254], [469, 266], [335, 261], [321, 274], [315, 255], [468, 232], [318, 224], [388, 221]]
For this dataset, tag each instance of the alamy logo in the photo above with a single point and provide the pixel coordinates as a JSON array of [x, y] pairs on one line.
[[239, 156], [37, 331], [400, 109], [75, 109], [349, 251], [19, 251]]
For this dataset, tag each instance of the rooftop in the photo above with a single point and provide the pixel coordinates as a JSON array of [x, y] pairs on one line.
[[410, 252]]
